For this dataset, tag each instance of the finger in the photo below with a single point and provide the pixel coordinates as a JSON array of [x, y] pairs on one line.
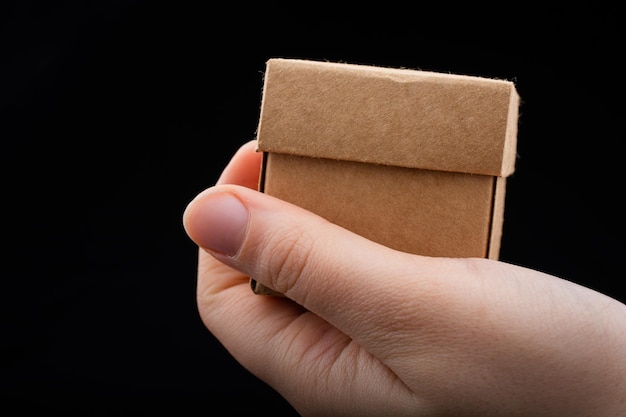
[[244, 167], [344, 278], [252, 327], [219, 284], [285, 345]]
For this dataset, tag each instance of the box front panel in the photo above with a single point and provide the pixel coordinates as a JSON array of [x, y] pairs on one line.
[[431, 213]]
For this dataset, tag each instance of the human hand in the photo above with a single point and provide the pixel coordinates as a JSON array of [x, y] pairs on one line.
[[367, 330]]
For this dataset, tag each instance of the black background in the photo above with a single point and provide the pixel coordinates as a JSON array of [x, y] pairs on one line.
[[114, 114]]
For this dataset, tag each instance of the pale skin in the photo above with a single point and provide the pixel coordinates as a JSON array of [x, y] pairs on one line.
[[364, 330]]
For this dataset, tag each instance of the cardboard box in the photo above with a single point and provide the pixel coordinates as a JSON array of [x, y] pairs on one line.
[[411, 159]]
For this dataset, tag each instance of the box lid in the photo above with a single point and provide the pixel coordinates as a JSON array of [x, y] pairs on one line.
[[391, 116]]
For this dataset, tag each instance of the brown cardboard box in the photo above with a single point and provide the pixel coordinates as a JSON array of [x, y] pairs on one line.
[[411, 159]]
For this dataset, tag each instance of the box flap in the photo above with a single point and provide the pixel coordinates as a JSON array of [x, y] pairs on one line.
[[399, 117]]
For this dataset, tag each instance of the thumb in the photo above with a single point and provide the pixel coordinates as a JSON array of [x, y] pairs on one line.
[[338, 275]]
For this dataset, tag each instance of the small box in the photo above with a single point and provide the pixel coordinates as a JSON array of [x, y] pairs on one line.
[[414, 160]]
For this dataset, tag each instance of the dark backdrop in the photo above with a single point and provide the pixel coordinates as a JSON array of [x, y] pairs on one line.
[[114, 114]]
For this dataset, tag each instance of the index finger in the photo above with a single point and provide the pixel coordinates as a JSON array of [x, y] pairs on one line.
[[244, 167]]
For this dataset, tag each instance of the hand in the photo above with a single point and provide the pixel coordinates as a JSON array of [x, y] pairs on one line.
[[366, 330]]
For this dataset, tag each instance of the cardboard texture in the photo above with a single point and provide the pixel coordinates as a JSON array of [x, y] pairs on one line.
[[411, 159]]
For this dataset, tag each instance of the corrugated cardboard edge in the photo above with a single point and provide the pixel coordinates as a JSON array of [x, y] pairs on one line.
[[497, 218]]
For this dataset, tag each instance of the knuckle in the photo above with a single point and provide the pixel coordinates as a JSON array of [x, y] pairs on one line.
[[288, 258]]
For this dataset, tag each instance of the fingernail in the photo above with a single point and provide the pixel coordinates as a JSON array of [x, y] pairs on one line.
[[220, 221]]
